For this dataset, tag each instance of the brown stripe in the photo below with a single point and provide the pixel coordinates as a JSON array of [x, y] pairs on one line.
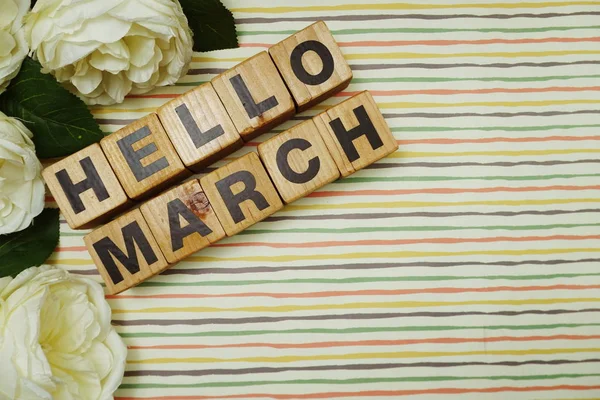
[[496, 114], [364, 67]]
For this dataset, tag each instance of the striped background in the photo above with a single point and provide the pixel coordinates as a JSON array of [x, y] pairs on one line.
[[465, 266]]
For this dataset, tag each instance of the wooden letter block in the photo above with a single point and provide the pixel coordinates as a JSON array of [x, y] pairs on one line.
[[125, 252], [312, 65], [356, 133], [298, 161], [182, 221], [199, 127], [241, 193], [254, 95], [85, 187], [143, 157]]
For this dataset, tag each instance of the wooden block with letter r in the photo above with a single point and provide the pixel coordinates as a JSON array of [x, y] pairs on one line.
[[298, 161], [312, 65], [182, 221], [143, 157], [199, 127], [125, 252], [85, 187], [356, 133], [254, 95], [241, 193]]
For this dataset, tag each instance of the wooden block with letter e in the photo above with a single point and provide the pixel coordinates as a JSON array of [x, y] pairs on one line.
[[199, 127], [254, 95], [298, 161], [125, 252], [182, 221], [85, 187], [356, 133], [143, 157], [241, 193], [312, 65]]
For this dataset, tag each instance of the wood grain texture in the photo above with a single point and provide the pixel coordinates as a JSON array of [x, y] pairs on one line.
[[125, 252], [94, 202], [241, 193], [267, 103], [298, 161], [143, 157], [356, 144], [199, 127], [182, 221], [312, 71]]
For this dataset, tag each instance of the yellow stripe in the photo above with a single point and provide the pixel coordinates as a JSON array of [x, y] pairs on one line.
[[419, 154], [412, 104], [410, 6], [365, 356], [359, 305]]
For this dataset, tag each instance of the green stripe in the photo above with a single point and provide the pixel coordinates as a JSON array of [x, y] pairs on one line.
[[351, 330], [488, 128], [482, 79], [352, 179], [355, 381], [425, 30], [155, 283]]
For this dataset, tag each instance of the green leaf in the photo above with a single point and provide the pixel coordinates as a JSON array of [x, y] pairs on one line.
[[61, 123], [30, 247], [212, 24]]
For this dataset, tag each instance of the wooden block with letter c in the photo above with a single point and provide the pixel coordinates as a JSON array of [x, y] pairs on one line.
[[182, 221], [85, 187], [356, 133], [143, 157], [125, 252], [241, 193], [255, 96], [312, 65], [298, 161]]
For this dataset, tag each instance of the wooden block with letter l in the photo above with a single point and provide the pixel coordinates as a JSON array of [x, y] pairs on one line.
[[199, 127], [182, 221], [254, 95], [312, 65], [125, 252], [356, 133], [298, 161], [143, 157], [85, 187], [241, 193]]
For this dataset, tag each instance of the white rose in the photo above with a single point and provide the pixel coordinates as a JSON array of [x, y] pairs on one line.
[[13, 46], [103, 50], [56, 340], [21, 185]]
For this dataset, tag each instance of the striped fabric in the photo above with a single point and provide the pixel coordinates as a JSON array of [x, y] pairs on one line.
[[466, 265]]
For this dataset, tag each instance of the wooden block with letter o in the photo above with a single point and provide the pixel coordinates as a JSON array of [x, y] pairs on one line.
[[85, 187], [241, 193], [254, 95], [311, 64], [356, 133], [199, 127], [298, 161], [143, 157], [182, 221], [125, 252]]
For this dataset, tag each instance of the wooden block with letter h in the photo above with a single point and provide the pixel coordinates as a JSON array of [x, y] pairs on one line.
[[311, 64], [85, 187], [125, 252]]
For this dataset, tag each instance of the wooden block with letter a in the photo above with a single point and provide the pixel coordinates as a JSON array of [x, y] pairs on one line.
[[125, 252], [182, 221], [311, 64], [85, 187], [199, 127], [356, 133], [254, 95], [143, 157], [241, 193], [298, 161]]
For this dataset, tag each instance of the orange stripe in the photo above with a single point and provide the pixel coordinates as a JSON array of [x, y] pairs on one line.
[[338, 193], [348, 343]]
